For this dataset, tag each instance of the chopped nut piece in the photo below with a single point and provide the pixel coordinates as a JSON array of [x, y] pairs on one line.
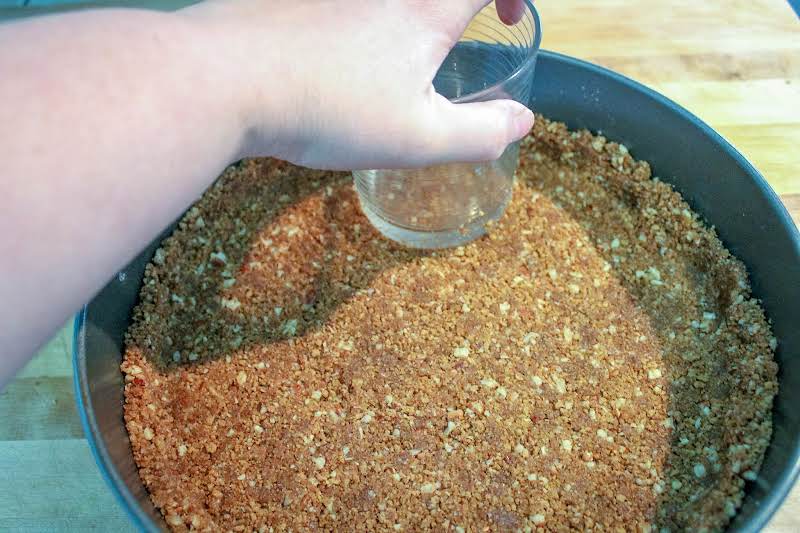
[[489, 383], [699, 470], [174, 520], [461, 351], [428, 488], [289, 327], [559, 384], [218, 258]]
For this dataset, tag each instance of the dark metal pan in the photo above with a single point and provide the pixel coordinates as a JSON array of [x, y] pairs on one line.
[[713, 177]]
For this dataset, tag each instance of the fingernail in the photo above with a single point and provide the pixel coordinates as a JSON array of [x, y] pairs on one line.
[[523, 121]]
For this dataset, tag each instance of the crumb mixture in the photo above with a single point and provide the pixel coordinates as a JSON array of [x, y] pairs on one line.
[[595, 362]]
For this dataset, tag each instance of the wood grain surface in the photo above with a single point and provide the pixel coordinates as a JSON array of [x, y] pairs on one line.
[[735, 64]]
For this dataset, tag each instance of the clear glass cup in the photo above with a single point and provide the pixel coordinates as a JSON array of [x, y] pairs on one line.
[[450, 205]]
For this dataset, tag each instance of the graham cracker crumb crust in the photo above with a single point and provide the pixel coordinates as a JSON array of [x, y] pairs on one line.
[[596, 362]]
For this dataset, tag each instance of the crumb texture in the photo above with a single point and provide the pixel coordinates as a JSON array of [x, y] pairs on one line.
[[595, 362]]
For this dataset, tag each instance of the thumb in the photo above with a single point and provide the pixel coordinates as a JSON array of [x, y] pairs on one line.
[[479, 131]]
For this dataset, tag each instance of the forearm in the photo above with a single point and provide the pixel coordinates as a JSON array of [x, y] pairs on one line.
[[116, 122], [113, 121]]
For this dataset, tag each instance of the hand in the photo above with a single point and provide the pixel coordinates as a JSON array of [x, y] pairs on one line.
[[129, 133], [346, 84]]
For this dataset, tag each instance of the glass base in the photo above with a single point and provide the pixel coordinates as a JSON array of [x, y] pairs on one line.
[[414, 238]]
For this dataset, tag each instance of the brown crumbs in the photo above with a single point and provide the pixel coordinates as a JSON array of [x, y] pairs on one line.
[[596, 361]]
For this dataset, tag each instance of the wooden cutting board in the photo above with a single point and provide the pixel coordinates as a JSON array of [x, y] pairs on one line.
[[735, 64]]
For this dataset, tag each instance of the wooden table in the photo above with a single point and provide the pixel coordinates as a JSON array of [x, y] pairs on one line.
[[736, 64]]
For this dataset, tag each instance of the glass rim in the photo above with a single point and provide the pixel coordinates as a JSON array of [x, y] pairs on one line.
[[531, 57]]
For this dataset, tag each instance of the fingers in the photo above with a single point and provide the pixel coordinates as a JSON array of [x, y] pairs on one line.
[[455, 15], [510, 11], [478, 131]]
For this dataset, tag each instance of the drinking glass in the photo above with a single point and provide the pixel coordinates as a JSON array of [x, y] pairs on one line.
[[449, 205]]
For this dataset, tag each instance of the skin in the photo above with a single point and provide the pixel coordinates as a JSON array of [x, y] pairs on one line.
[[113, 121]]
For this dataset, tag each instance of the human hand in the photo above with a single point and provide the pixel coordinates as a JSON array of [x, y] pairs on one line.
[[347, 84]]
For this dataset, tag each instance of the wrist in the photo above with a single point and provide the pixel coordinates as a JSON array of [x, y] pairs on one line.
[[254, 85]]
